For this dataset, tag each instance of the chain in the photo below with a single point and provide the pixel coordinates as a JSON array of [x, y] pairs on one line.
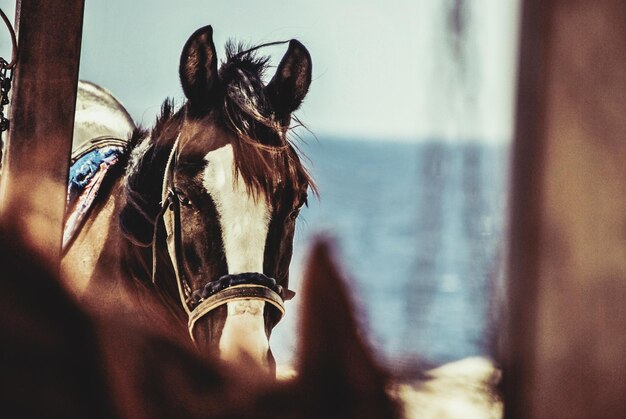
[[6, 75], [5, 87]]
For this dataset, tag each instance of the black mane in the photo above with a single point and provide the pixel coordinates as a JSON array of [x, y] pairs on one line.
[[144, 175]]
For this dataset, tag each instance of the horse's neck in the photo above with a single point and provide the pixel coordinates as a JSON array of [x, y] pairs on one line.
[[104, 269], [92, 262]]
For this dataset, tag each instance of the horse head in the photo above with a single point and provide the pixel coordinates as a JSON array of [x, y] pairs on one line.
[[232, 187]]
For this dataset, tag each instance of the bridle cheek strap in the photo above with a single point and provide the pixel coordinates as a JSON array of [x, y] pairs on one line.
[[170, 219], [235, 293]]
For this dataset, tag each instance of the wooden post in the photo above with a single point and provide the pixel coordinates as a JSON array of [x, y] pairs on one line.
[[43, 101], [566, 338]]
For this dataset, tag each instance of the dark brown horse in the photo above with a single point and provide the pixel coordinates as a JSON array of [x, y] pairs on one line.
[[203, 210]]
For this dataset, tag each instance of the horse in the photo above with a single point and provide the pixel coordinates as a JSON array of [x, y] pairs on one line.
[[201, 208]]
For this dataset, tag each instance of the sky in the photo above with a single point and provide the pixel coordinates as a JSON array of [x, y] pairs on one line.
[[382, 70]]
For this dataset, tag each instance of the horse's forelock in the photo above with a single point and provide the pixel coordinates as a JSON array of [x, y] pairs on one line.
[[264, 156]]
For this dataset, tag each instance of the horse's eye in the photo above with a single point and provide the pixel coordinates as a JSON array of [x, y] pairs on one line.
[[296, 211], [183, 199], [294, 214]]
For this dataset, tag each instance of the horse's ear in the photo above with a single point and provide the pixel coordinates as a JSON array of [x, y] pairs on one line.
[[198, 67], [291, 82]]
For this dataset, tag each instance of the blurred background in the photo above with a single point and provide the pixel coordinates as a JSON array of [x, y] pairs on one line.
[[410, 115]]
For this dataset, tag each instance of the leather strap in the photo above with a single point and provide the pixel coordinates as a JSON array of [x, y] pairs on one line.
[[235, 293]]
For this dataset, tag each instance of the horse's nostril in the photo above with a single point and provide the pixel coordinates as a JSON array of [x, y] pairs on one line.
[[247, 306]]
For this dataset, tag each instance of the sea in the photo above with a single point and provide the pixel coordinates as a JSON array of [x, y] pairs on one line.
[[420, 233]]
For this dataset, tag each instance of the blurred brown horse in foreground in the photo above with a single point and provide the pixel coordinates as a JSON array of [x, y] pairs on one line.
[[60, 360]]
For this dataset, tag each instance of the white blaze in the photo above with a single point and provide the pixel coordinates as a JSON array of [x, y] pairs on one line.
[[244, 222]]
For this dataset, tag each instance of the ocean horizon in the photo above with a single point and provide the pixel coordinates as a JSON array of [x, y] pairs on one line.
[[418, 228]]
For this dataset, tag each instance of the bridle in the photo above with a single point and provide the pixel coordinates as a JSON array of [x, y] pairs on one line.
[[215, 293]]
